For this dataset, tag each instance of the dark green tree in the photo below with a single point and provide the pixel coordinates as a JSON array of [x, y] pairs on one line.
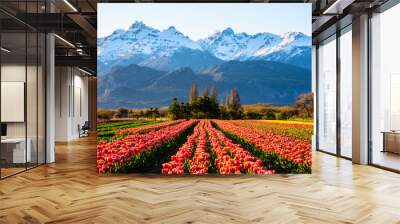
[[186, 112], [224, 112], [122, 112], [148, 113], [204, 107], [174, 109], [153, 113], [253, 115], [105, 114], [141, 113], [268, 114]]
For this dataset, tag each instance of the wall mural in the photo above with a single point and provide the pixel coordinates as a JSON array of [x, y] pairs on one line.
[[204, 88]]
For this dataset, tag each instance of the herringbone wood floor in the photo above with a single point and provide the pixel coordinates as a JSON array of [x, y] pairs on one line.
[[70, 191]]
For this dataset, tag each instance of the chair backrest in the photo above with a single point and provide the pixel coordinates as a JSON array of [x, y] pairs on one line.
[[86, 125]]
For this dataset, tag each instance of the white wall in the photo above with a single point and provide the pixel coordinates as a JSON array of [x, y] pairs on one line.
[[385, 74], [12, 73], [71, 102], [62, 82], [16, 73], [314, 90], [50, 95], [327, 96], [33, 127], [346, 75]]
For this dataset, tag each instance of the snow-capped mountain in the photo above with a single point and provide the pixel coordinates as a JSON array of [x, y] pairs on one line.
[[142, 39], [170, 49], [227, 45]]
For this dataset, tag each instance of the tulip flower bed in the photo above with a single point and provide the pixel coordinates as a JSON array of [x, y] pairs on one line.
[[142, 153], [145, 129], [107, 131], [200, 163], [232, 158], [206, 147], [213, 153], [283, 154], [193, 157], [298, 131], [176, 165], [100, 120]]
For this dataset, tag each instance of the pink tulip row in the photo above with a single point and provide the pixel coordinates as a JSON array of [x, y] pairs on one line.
[[175, 166], [295, 131], [102, 120], [122, 150], [201, 159], [293, 150], [232, 158], [145, 129], [294, 124]]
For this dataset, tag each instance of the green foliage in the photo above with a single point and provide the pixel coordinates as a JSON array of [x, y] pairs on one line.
[[235, 113], [252, 115], [224, 115], [233, 107], [201, 107], [207, 106], [185, 110], [174, 110], [268, 114], [204, 107], [305, 105], [302, 109], [121, 112], [212, 168], [152, 113], [286, 113], [105, 114]]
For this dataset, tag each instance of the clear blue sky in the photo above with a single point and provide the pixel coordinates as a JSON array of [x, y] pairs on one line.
[[199, 20]]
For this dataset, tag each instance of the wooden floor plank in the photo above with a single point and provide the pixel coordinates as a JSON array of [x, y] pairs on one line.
[[70, 191]]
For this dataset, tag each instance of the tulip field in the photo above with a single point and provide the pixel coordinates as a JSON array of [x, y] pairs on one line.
[[207, 147]]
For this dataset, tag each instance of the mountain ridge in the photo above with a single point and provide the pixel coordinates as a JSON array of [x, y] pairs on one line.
[[144, 45], [257, 82]]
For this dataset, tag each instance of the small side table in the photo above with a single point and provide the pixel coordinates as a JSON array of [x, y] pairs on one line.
[[391, 141]]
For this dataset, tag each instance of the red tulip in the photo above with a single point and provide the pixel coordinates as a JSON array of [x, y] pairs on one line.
[[295, 150], [122, 150]]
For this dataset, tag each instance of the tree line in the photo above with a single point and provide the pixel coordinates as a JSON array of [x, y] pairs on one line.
[[207, 105], [151, 113]]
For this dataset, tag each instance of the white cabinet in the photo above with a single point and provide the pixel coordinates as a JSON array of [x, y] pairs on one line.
[[17, 147]]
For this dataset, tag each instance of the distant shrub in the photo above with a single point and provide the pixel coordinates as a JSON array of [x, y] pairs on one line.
[[105, 114]]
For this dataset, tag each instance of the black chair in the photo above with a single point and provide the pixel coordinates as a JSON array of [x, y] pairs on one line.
[[84, 130]]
